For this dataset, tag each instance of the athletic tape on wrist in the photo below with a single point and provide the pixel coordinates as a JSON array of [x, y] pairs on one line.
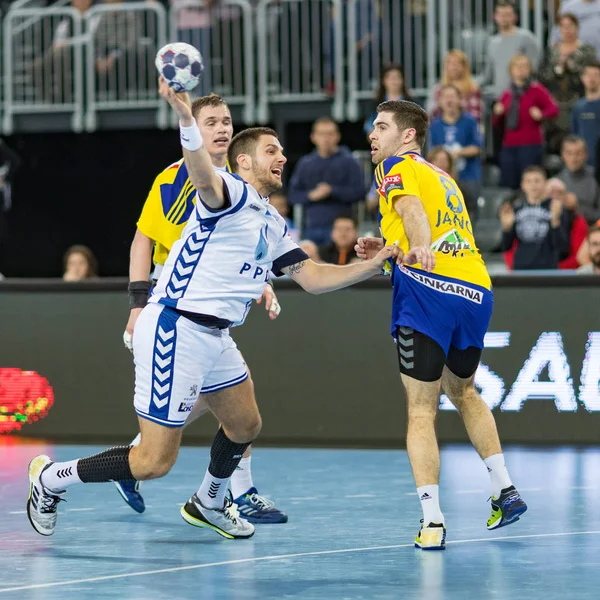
[[190, 137]]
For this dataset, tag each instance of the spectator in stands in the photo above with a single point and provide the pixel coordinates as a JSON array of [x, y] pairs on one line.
[[392, 86], [579, 178], [522, 108], [327, 182], [9, 163], [340, 251], [311, 249], [586, 113], [538, 225], [561, 72], [509, 41], [79, 264], [593, 249], [588, 15], [458, 132], [457, 72], [278, 201], [577, 225], [439, 157]]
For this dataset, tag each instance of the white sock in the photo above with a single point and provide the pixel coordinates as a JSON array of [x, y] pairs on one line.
[[430, 503], [60, 475], [241, 480], [136, 440], [212, 491], [498, 474]]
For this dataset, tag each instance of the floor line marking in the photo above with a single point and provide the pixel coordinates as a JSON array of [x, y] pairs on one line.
[[284, 557]]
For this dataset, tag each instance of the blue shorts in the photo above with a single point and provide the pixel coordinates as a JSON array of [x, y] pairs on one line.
[[449, 311]]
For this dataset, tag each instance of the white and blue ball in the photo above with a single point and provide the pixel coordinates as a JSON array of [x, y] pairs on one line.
[[181, 65]]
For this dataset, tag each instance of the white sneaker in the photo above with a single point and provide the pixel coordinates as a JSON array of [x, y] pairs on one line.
[[225, 521], [42, 503]]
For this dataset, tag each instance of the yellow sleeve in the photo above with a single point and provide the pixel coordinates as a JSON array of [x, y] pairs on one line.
[[397, 177], [151, 221]]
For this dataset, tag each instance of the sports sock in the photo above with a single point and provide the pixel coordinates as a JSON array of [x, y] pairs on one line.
[[241, 480], [225, 456], [136, 440], [499, 477], [430, 503], [110, 465], [60, 475]]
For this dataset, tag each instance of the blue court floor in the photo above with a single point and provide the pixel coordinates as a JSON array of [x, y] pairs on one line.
[[353, 517]]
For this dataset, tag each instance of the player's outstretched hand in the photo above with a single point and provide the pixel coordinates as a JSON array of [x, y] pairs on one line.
[[385, 254], [368, 247], [272, 305], [180, 103], [128, 335], [420, 255]]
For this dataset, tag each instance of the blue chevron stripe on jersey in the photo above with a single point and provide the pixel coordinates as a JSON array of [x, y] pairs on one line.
[[186, 262]]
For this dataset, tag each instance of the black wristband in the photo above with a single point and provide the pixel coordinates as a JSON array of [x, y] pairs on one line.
[[138, 294]]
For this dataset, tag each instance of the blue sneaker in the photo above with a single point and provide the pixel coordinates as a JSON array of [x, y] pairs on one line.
[[130, 490], [506, 509], [257, 509]]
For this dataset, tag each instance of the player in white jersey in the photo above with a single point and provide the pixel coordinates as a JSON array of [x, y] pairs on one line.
[[165, 212], [212, 275]]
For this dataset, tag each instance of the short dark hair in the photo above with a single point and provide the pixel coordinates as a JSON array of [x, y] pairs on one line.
[[346, 218], [245, 143], [322, 120], [506, 4], [408, 115], [211, 100], [571, 17], [592, 64], [593, 229], [87, 254], [573, 139], [534, 169]]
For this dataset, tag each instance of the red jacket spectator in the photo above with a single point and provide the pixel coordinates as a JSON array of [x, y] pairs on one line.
[[579, 230], [529, 131]]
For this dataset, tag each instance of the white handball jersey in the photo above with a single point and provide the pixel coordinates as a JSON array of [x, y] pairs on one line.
[[223, 258]]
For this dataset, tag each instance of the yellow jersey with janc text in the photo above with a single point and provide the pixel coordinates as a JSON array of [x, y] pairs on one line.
[[456, 254]]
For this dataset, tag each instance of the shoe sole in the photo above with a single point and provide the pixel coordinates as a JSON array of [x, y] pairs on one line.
[[199, 523], [430, 548], [255, 521], [124, 496], [511, 518], [33, 523]]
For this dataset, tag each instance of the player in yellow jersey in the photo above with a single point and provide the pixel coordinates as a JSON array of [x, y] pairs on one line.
[[442, 304], [164, 215]]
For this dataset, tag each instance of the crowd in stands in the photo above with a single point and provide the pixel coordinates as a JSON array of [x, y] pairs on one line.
[[543, 103]]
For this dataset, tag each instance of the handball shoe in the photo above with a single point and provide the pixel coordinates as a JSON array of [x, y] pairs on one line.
[[257, 509], [432, 537], [506, 509], [42, 503], [130, 491], [225, 521]]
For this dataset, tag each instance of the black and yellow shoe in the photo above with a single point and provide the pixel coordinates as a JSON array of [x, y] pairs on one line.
[[432, 537], [225, 521], [506, 509]]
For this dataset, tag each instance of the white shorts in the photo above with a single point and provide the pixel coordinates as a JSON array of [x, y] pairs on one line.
[[176, 360]]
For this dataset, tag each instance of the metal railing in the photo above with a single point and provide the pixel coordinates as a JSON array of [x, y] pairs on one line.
[[300, 53], [41, 73], [224, 35], [282, 51], [121, 44]]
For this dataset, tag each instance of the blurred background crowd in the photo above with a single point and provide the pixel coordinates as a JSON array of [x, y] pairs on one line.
[[512, 89]]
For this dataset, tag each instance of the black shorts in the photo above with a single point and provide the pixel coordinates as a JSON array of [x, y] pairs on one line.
[[422, 358]]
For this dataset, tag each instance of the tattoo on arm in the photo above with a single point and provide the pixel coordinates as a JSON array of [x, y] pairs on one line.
[[295, 269]]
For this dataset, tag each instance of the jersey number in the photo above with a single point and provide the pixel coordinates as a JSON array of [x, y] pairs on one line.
[[453, 201]]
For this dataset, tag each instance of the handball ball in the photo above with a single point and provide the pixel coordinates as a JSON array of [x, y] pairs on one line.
[[181, 65]]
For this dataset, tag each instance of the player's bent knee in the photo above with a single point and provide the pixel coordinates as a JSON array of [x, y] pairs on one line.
[[246, 431], [151, 465]]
